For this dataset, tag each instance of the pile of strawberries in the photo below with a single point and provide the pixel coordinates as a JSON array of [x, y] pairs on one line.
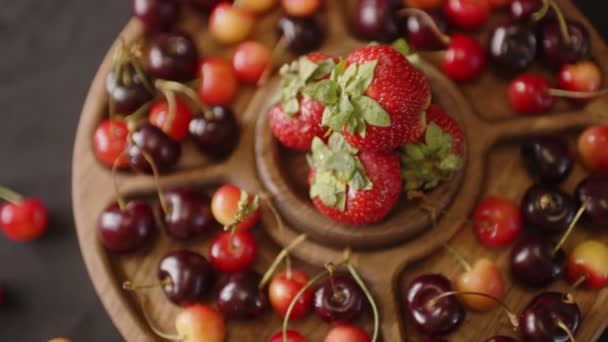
[[369, 128]]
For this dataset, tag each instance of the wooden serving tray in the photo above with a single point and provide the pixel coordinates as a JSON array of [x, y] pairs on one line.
[[388, 254]]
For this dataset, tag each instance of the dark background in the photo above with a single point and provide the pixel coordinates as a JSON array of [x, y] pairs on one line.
[[49, 52]]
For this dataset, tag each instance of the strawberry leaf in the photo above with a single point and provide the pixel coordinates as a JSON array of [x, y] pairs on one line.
[[403, 47], [372, 112]]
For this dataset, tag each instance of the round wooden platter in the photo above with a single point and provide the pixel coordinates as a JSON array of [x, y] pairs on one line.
[[388, 254]]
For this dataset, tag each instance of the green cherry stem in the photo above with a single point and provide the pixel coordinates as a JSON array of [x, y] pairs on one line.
[[122, 204], [510, 314], [277, 261], [542, 11], [461, 260], [443, 38], [279, 49], [161, 198], [577, 217], [176, 87], [152, 325], [10, 195], [563, 25], [576, 94], [370, 299]]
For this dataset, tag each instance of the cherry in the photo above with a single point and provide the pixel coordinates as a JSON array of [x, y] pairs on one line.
[[173, 56], [129, 91], [497, 4], [233, 252], [256, 6], [522, 10], [301, 8], [467, 14], [301, 35], [583, 76], [22, 219], [283, 289], [225, 204], [110, 142], [375, 20], [529, 94], [218, 85], [534, 263], [550, 316], [594, 190], [497, 221], [250, 60], [189, 214], [593, 148], [512, 47], [215, 135], [240, 298], [200, 323], [186, 277], [205, 5], [588, 262], [150, 139], [464, 59], [124, 230], [229, 24], [432, 317], [156, 15], [292, 336], [175, 124], [548, 159], [420, 34], [338, 299], [483, 277], [347, 333], [556, 50], [547, 209], [501, 339]]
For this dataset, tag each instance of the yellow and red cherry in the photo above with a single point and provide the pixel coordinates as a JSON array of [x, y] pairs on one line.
[[482, 277], [283, 289], [175, 124], [256, 6], [529, 94], [467, 14], [589, 261], [301, 8], [22, 219], [347, 333], [593, 148], [250, 60], [465, 58], [583, 76], [229, 24], [110, 142], [128, 229], [218, 83], [497, 221], [156, 15], [224, 206], [199, 323], [231, 252], [424, 4], [292, 336]]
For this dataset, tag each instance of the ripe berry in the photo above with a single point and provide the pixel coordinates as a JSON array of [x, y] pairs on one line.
[[233, 252], [229, 24], [464, 59], [467, 14], [110, 141], [173, 56], [497, 221], [301, 8], [250, 60], [218, 85], [156, 15], [282, 290], [177, 128], [583, 76], [23, 219], [593, 148], [224, 206], [529, 94], [292, 336]]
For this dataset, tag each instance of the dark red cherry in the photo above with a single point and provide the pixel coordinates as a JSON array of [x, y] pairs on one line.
[[555, 50], [173, 56], [547, 209], [501, 339], [548, 158], [533, 262], [130, 93], [240, 298], [215, 135], [512, 48], [156, 15], [595, 189], [434, 319], [164, 151], [339, 299], [541, 319], [376, 20], [521, 10], [186, 277], [420, 36], [127, 230], [189, 214], [302, 34]]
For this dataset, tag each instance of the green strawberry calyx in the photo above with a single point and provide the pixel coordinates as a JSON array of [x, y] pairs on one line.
[[337, 168], [425, 164], [346, 106], [294, 78], [404, 48]]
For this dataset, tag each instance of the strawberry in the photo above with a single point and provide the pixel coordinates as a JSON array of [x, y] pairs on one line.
[[375, 98], [426, 163], [295, 120], [351, 186]]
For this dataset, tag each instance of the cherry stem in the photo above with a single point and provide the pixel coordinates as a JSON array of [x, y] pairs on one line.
[[331, 268], [576, 94], [563, 25], [538, 15], [171, 104], [510, 314], [129, 286], [164, 85], [153, 326], [10, 195], [461, 260], [288, 270], [279, 49], [283, 254], [565, 328], [133, 119], [578, 282], [273, 210], [444, 38], [370, 299], [161, 198], [577, 217], [122, 205]]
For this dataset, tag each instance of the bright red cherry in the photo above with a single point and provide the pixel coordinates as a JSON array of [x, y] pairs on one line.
[[589, 260], [465, 58], [292, 336], [283, 289], [467, 14], [583, 76], [233, 252], [347, 333], [250, 60], [229, 24], [529, 94], [593, 148], [301, 8], [497, 221], [110, 141], [22, 219], [177, 128], [218, 83], [224, 206], [200, 323]]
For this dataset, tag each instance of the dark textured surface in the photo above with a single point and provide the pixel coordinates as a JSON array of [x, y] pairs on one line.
[[49, 52]]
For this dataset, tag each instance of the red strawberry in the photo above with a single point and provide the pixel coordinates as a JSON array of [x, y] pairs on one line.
[[350, 186], [295, 120], [437, 157], [375, 98]]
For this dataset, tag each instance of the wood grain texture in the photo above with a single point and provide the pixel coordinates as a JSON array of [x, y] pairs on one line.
[[381, 252]]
